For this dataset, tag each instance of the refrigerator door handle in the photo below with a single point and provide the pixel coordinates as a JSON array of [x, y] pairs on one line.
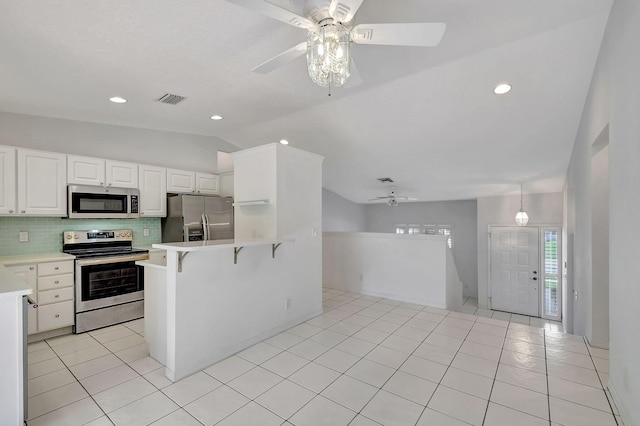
[[205, 226]]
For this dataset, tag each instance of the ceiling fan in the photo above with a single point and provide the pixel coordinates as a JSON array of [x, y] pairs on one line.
[[393, 198], [330, 32]]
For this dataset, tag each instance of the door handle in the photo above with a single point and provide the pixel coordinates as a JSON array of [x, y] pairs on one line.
[[535, 278], [535, 272]]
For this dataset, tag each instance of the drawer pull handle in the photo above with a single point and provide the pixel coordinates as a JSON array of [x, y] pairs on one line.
[[57, 282], [57, 315], [56, 268], [31, 268], [56, 296]]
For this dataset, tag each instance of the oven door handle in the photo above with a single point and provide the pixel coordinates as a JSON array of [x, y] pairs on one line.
[[104, 261]]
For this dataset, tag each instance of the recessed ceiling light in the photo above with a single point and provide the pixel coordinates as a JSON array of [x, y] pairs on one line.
[[284, 142], [216, 117], [502, 88], [117, 100]]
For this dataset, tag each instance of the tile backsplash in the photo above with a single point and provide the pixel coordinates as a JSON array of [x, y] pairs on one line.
[[45, 233]]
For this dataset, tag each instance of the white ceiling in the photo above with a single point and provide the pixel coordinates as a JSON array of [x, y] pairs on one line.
[[426, 117]]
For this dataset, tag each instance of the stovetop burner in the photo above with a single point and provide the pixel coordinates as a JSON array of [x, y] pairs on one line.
[[97, 243]]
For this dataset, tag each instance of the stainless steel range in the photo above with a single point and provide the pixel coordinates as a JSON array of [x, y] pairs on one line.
[[109, 286]]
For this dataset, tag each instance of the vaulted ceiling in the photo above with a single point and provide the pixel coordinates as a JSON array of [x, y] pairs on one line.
[[427, 117]]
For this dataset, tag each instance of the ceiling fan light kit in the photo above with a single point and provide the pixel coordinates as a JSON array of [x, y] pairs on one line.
[[328, 57]]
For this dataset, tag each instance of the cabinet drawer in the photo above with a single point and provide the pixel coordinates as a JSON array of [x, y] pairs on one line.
[[54, 268], [56, 315], [54, 281], [54, 296]]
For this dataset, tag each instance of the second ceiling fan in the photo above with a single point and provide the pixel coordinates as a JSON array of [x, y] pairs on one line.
[[330, 33]]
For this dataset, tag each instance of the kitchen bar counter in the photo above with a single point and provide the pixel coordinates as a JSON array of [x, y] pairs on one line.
[[216, 244], [211, 308]]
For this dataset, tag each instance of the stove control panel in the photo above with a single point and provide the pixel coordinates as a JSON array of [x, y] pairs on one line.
[[94, 236]]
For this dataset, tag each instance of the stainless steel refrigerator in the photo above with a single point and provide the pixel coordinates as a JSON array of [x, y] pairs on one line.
[[197, 218]]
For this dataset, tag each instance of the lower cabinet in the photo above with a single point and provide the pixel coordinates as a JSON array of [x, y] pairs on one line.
[[52, 284]]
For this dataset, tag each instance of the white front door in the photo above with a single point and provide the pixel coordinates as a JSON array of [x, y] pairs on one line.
[[515, 276]]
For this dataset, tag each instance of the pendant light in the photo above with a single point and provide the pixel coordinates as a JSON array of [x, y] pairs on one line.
[[522, 218]]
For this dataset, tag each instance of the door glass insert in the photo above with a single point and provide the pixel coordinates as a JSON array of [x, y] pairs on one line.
[[551, 278]]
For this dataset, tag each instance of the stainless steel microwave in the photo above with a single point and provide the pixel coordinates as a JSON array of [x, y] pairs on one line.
[[97, 202]]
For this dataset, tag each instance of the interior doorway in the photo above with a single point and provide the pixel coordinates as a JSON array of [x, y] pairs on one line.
[[524, 270]]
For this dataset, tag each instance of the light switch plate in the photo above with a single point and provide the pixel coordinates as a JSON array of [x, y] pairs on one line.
[[24, 236]]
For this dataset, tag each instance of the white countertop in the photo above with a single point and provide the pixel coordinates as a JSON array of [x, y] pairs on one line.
[[37, 258], [11, 285], [217, 244]]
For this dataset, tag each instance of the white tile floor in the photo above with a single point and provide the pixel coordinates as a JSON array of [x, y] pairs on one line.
[[366, 361]]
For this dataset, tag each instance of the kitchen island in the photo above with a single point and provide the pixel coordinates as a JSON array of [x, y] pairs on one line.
[[216, 298]]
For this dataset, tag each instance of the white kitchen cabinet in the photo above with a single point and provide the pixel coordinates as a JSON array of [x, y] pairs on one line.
[[184, 181], [153, 191], [85, 170], [226, 184], [181, 181], [158, 256], [7, 180], [121, 174], [207, 184], [42, 183], [101, 172], [53, 291], [55, 295]]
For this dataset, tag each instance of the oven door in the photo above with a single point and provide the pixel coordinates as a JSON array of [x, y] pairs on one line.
[[108, 281]]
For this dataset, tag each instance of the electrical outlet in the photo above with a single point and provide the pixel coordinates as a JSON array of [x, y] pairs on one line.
[[24, 236], [145, 232]]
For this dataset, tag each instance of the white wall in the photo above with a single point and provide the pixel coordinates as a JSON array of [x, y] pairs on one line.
[[461, 214], [410, 268], [614, 100], [168, 149], [340, 214], [543, 209]]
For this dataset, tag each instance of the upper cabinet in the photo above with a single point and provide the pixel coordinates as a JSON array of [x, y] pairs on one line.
[[100, 172], [121, 174], [153, 191], [207, 183], [42, 183], [7, 180], [182, 181], [85, 170]]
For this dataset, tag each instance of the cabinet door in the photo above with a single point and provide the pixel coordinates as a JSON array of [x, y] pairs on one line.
[[153, 191], [7, 180], [85, 170], [55, 315], [42, 183], [121, 175], [226, 185], [207, 183], [181, 181]]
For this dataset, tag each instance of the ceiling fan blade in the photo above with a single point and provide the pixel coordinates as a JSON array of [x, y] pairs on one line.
[[276, 12], [344, 10], [282, 59], [409, 34]]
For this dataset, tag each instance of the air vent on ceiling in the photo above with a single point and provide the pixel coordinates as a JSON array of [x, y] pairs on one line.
[[386, 180], [171, 99]]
